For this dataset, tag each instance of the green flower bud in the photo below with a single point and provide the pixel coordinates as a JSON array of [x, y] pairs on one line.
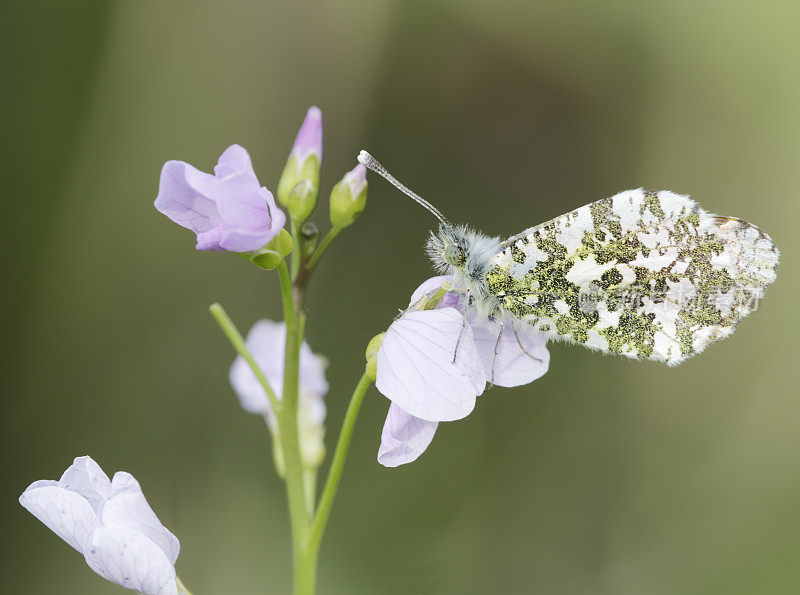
[[349, 197], [310, 234], [303, 165], [371, 356]]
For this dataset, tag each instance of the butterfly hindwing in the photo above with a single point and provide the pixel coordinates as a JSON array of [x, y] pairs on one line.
[[643, 274]]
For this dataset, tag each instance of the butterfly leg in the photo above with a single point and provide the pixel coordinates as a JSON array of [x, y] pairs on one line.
[[458, 341], [461, 332], [521, 346], [496, 349]]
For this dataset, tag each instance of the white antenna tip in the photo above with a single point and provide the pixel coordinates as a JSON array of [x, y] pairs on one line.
[[364, 158]]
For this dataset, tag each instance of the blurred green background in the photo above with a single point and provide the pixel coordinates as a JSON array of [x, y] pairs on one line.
[[605, 476]]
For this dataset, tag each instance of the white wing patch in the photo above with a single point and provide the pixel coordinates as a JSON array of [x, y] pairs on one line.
[[641, 274]]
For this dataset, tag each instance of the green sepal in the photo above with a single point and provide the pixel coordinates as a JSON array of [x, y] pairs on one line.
[[293, 174], [301, 201], [282, 243], [271, 255], [371, 355], [266, 259]]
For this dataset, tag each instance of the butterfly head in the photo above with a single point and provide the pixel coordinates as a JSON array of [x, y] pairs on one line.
[[462, 252], [455, 255], [455, 250], [448, 249]]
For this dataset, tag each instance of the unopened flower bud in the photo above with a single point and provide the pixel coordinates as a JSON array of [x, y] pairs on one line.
[[310, 234], [303, 164], [371, 356], [349, 197]]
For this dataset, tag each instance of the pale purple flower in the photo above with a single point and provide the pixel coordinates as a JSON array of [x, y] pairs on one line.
[[416, 371], [309, 138], [110, 523], [229, 210], [266, 342], [404, 437]]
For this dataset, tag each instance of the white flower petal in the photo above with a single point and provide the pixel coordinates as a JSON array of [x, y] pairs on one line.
[[128, 558], [42, 483], [521, 355], [68, 514], [128, 507], [312, 372], [252, 396], [404, 437], [311, 428], [312, 409], [86, 478], [416, 369], [266, 341]]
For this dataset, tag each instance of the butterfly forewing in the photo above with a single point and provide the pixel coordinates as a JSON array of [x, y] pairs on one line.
[[642, 274]]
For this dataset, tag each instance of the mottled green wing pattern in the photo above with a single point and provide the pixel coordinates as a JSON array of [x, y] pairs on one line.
[[648, 275]]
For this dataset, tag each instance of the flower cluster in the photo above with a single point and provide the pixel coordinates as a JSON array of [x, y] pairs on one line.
[[432, 363], [437, 358], [230, 210], [111, 524], [266, 342]]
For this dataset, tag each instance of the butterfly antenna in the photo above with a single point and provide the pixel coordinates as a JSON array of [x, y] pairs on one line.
[[370, 162]]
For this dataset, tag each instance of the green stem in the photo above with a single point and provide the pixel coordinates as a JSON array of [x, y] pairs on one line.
[[337, 466], [305, 572], [288, 429], [238, 343], [310, 490], [323, 245], [182, 590], [297, 248]]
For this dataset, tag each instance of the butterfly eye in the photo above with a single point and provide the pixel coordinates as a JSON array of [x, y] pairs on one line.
[[454, 255]]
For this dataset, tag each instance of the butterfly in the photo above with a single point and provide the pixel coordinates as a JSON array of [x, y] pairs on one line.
[[648, 275]]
